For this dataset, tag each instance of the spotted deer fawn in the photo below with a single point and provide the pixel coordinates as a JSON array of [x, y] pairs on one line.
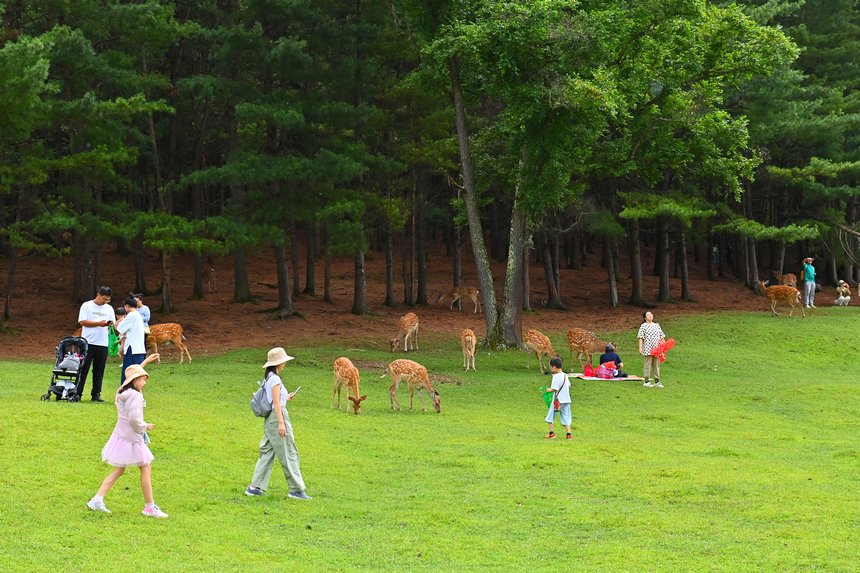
[[536, 342], [168, 333], [788, 279], [346, 374], [457, 295], [781, 293], [585, 343], [468, 342], [408, 332], [416, 377], [210, 280]]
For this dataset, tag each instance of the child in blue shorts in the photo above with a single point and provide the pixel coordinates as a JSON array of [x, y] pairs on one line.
[[561, 386]]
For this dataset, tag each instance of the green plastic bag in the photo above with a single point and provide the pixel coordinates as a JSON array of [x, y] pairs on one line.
[[113, 342], [548, 395]]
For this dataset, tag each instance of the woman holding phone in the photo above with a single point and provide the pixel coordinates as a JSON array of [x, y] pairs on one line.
[[277, 433]]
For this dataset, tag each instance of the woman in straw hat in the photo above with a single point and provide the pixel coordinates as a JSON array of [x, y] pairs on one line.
[[278, 433], [127, 445]]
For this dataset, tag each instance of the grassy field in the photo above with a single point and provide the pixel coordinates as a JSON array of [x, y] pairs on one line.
[[746, 461]]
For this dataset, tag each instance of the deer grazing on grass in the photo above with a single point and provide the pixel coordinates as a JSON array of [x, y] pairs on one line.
[[415, 376], [788, 279], [468, 342], [585, 343], [408, 331], [346, 374], [536, 342], [168, 333], [457, 295], [781, 293]]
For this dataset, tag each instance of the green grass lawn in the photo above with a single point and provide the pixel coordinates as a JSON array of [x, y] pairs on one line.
[[746, 461]]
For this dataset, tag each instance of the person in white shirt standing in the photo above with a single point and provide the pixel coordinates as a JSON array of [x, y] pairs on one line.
[[561, 386], [130, 328], [95, 317]]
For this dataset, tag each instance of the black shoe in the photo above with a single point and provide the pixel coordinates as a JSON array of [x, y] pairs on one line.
[[96, 398]]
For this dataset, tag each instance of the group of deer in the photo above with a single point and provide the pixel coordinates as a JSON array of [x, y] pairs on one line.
[[415, 375], [407, 334], [584, 342], [785, 292]]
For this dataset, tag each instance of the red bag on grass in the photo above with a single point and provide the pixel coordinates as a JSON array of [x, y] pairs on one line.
[[588, 370]]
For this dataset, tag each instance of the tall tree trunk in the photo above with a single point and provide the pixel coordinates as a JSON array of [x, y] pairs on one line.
[[359, 299], [458, 258], [294, 254], [327, 267], [713, 256], [389, 266], [510, 324], [166, 271], [637, 295], [527, 244], [662, 253], [10, 284], [285, 293], [479, 249], [421, 255], [553, 300], [556, 265], [139, 264], [406, 269], [310, 267], [685, 271], [609, 245]]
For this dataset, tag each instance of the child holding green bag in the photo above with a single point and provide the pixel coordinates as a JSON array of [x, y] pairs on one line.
[[560, 386]]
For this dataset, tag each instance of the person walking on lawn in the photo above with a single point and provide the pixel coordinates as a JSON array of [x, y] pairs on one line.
[[561, 386]]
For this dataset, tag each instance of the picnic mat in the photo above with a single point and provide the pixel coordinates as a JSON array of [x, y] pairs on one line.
[[582, 376]]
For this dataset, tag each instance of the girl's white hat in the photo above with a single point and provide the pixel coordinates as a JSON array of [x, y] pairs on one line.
[[277, 356], [133, 372]]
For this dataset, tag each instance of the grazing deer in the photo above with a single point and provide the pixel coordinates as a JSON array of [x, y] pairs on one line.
[[468, 342], [345, 373], [408, 331], [210, 280], [415, 376], [457, 295], [788, 279], [539, 344], [585, 343], [777, 293], [170, 332]]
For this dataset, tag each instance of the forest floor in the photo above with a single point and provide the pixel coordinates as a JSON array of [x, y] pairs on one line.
[[43, 311]]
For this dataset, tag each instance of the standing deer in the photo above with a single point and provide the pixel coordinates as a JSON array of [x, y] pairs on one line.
[[468, 342], [536, 342], [457, 295], [171, 333], [777, 293], [345, 373], [415, 376], [788, 279], [408, 331], [210, 279], [585, 343]]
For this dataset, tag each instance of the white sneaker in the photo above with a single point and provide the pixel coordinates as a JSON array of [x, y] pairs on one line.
[[657, 385], [813, 306], [648, 385], [97, 506], [807, 306], [153, 511]]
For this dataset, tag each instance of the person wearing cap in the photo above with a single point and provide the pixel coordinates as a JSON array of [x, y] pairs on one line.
[[278, 438], [843, 294], [808, 283], [612, 356], [127, 445]]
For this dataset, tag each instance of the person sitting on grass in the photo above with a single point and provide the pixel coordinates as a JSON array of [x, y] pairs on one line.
[[610, 355], [843, 294], [561, 404]]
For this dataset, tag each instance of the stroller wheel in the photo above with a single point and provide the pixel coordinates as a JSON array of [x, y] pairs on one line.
[[74, 398], [46, 397]]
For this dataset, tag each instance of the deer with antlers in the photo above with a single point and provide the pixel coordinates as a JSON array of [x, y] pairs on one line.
[[168, 333], [346, 374], [408, 331], [536, 342], [457, 295], [781, 293], [468, 342], [416, 377], [585, 343]]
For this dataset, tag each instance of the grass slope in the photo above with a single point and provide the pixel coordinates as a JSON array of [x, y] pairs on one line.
[[747, 460]]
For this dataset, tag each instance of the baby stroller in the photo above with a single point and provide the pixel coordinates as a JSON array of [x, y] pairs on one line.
[[70, 353]]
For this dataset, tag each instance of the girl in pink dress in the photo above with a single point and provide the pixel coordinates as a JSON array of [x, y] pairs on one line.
[[127, 445]]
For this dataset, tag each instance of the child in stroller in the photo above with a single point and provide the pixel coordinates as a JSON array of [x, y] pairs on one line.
[[70, 354]]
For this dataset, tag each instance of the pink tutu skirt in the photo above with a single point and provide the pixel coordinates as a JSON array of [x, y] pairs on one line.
[[121, 453]]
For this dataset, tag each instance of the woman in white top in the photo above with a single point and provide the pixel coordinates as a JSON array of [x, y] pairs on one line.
[[130, 329], [278, 433], [650, 336]]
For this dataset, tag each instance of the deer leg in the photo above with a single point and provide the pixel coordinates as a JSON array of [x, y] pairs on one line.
[[183, 346], [453, 300], [411, 395], [773, 308], [392, 394], [415, 338]]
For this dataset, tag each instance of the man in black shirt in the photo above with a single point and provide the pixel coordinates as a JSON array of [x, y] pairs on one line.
[[611, 356]]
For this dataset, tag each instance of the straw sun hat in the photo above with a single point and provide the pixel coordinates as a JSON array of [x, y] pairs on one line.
[[277, 356], [133, 372]]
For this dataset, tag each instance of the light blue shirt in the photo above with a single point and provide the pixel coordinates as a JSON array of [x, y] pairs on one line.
[[272, 381]]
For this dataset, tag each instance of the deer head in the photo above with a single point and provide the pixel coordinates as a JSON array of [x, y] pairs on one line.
[[356, 403], [437, 401]]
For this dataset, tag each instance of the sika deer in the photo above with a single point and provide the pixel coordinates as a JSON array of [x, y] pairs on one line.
[[539, 344], [788, 279], [585, 343], [457, 295], [415, 375], [408, 330], [468, 341], [345, 373], [170, 332], [777, 293]]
